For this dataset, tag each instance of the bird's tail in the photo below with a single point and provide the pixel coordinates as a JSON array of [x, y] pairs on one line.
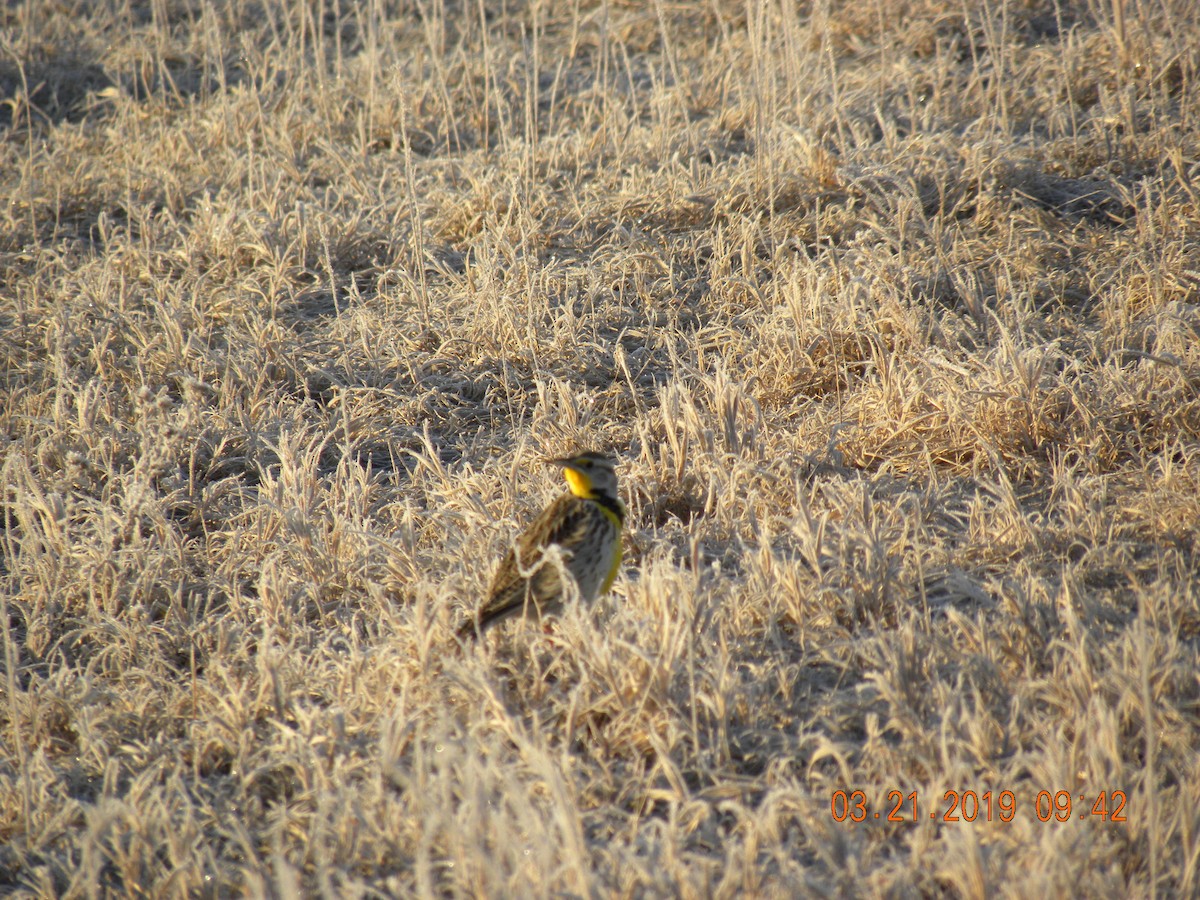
[[468, 630]]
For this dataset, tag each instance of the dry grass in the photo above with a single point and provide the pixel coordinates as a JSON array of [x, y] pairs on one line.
[[890, 309]]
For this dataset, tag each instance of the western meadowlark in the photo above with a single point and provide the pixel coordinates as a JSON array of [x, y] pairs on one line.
[[583, 525]]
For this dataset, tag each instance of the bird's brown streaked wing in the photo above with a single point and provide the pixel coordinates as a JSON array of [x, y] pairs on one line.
[[541, 531], [558, 523], [570, 524], [506, 597]]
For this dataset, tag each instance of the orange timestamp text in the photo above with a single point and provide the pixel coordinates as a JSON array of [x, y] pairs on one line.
[[978, 806]]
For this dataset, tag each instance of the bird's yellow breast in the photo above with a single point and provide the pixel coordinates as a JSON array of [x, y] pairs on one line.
[[613, 569]]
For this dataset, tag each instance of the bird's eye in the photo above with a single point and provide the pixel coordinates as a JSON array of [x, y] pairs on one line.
[[587, 463]]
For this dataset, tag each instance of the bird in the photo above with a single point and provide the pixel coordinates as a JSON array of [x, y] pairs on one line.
[[583, 525]]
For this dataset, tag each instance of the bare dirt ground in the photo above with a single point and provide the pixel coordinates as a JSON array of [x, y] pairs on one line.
[[891, 311]]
